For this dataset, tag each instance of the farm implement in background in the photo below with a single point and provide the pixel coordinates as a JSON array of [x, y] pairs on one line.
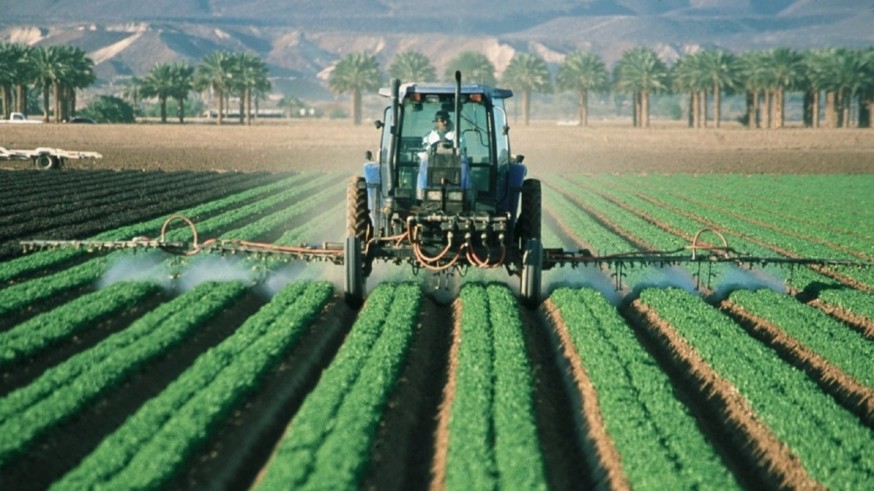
[[452, 199], [47, 158]]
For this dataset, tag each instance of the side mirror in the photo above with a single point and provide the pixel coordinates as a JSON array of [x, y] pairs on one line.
[[379, 124], [506, 129]]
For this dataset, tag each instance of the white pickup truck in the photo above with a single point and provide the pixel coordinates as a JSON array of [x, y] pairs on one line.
[[18, 118]]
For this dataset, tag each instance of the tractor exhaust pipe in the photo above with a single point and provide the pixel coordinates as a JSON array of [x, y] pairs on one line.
[[393, 143], [457, 140]]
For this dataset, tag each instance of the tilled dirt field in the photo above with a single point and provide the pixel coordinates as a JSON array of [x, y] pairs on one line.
[[338, 145]]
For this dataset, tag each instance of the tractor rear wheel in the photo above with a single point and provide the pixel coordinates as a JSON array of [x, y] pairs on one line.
[[532, 268], [528, 223], [357, 215]]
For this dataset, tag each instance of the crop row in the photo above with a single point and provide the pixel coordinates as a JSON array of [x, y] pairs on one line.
[[29, 338], [12, 269], [658, 442], [327, 445], [728, 219], [66, 388], [22, 294], [834, 447], [155, 442], [492, 432]]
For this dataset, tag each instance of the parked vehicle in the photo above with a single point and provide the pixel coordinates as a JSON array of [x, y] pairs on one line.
[[20, 119]]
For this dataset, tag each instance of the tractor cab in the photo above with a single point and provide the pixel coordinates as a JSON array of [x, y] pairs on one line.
[[465, 169]]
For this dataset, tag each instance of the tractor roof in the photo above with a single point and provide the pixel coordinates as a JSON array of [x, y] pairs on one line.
[[448, 89]]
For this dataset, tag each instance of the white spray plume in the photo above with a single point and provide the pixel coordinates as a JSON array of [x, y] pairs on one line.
[[215, 268], [746, 279], [148, 266], [584, 276], [666, 277]]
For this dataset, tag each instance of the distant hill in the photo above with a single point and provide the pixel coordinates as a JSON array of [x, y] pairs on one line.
[[301, 39]]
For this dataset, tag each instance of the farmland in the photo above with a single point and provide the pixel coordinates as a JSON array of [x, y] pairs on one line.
[[123, 369]]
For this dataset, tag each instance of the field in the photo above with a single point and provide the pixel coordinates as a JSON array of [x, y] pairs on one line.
[[144, 370]]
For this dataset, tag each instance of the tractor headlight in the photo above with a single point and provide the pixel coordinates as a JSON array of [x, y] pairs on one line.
[[434, 195], [455, 196]]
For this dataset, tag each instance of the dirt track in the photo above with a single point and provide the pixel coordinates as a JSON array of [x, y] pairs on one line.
[[338, 145]]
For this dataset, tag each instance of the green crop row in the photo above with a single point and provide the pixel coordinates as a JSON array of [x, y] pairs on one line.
[[835, 447], [272, 221], [800, 278], [66, 388], [801, 202], [327, 445], [845, 348], [155, 442], [717, 212], [15, 268], [19, 295], [28, 338], [658, 440], [493, 441]]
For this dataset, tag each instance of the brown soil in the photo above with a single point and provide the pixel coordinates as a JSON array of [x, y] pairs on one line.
[[338, 145], [441, 438]]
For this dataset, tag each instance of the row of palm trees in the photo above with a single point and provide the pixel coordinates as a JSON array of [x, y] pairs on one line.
[[843, 77], [834, 80], [221, 73], [57, 70]]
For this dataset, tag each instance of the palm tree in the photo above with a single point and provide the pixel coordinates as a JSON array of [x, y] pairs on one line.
[[168, 80], [687, 76], [527, 73], [355, 73], [866, 95], [583, 73], [132, 90], [10, 60], [47, 63], [78, 74], [250, 76], [183, 83], [214, 73], [783, 70], [640, 72], [412, 66], [718, 70], [475, 67], [753, 77]]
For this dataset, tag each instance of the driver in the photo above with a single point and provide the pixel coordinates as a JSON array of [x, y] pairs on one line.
[[442, 130], [442, 134]]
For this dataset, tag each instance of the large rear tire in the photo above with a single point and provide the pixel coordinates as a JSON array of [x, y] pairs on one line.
[[528, 223], [354, 278], [532, 268], [357, 215]]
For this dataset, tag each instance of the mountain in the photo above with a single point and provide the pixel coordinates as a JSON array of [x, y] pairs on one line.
[[301, 39]]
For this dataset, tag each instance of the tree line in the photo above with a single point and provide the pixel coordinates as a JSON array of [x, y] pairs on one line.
[[837, 83]]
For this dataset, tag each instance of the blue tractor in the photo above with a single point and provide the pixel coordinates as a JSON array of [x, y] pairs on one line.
[[445, 203]]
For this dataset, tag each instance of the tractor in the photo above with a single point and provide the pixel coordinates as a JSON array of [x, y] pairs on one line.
[[444, 204]]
